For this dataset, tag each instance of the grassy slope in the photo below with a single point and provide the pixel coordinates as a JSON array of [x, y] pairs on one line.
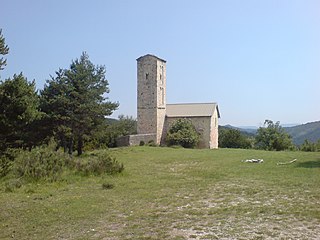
[[169, 193]]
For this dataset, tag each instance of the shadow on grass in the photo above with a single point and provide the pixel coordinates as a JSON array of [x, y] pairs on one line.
[[310, 164]]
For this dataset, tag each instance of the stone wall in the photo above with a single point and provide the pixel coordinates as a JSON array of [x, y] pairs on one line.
[[214, 133], [134, 140]]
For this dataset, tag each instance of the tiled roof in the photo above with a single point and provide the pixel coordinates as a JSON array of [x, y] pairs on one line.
[[191, 110]]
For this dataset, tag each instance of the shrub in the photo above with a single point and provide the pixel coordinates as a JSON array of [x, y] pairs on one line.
[[12, 184], [233, 138], [5, 165], [98, 163], [183, 133], [39, 163], [107, 186], [44, 163], [151, 143], [308, 146], [6, 161]]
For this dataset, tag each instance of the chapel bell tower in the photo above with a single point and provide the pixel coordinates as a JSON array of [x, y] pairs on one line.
[[151, 95]]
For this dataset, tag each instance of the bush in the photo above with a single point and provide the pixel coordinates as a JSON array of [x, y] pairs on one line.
[[183, 133], [12, 184], [233, 138], [6, 161], [107, 186], [44, 163], [5, 166], [151, 143], [98, 163], [308, 146], [39, 163]]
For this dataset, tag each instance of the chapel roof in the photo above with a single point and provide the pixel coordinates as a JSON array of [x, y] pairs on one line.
[[191, 110]]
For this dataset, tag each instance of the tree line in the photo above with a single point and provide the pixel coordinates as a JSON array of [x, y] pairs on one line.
[[270, 137]]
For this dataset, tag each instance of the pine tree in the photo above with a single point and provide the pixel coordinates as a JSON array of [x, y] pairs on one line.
[[4, 49], [18, 109], [75, 101]]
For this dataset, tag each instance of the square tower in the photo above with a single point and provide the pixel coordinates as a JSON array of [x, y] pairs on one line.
[[151, 95]]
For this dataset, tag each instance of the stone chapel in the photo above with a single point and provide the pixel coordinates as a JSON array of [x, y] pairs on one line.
[[155, 116]]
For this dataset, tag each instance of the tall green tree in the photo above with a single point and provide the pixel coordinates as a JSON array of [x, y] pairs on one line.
[[272, 137], [4, 49], [55, 103], [75, 101], [19, 104]]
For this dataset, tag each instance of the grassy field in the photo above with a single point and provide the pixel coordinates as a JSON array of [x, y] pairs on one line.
[[167, 193]]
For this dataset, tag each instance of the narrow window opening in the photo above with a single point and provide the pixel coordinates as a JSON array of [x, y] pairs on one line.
[[147, 76], [162, 96]]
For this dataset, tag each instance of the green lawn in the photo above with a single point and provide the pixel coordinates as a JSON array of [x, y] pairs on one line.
[[167, 193]]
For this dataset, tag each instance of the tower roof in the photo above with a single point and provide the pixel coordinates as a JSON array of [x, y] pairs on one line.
[[150, 55], [192, 110]]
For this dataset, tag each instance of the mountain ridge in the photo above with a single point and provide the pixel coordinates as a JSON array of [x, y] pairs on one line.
[[309, 131]]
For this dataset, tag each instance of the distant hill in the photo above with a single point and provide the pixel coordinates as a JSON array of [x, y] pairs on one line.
[[299, 133], [245, 132], [309, 131]]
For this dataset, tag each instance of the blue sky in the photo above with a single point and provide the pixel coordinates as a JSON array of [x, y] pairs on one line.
[[258, 59]]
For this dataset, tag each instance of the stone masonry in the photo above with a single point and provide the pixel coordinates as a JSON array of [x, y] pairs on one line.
[[151, 95]]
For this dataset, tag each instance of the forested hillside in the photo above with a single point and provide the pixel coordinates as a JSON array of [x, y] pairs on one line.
[[309, 131]]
